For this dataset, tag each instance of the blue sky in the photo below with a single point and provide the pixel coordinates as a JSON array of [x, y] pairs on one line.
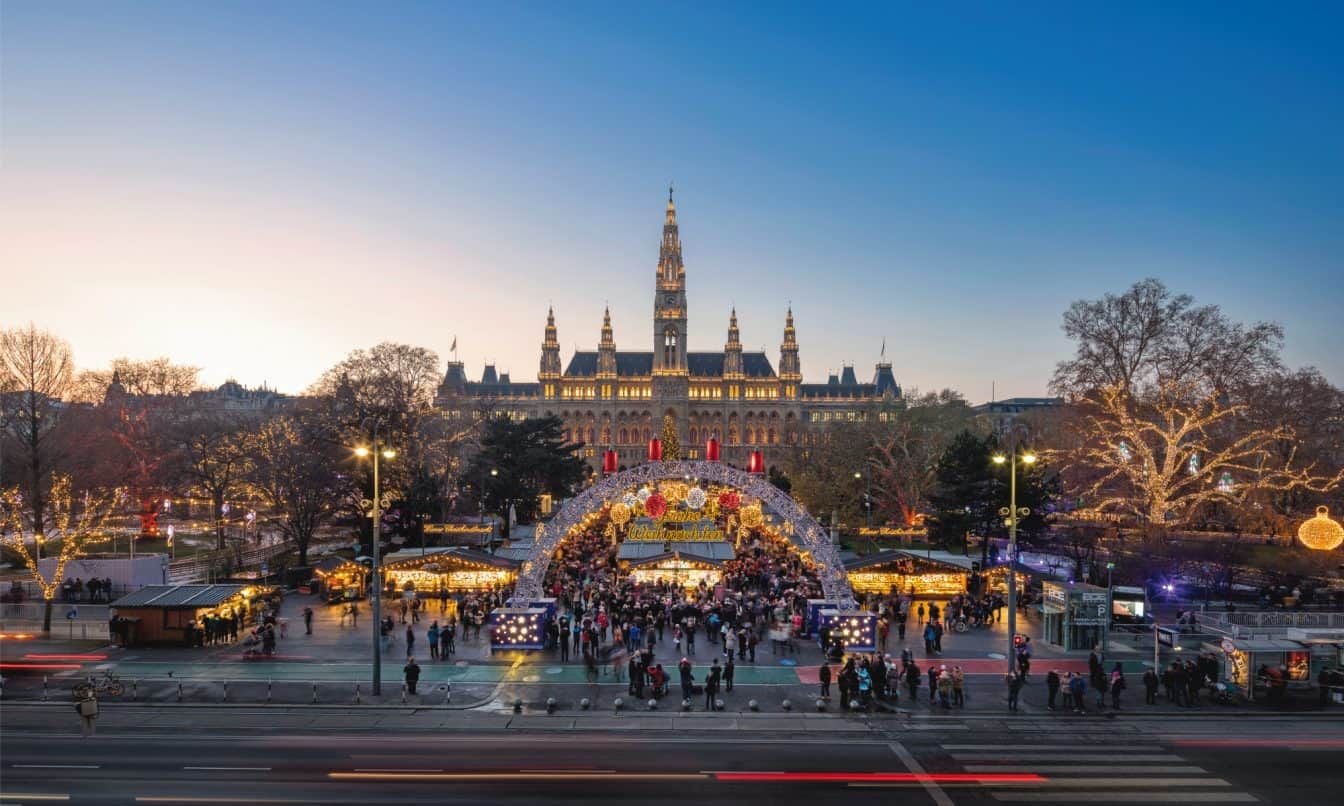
[[259, 188]]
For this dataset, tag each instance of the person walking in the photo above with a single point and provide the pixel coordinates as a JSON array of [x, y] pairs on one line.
[[412, 672], [824, 675], [920, 612], [410, 641], [1051, 688], [687, 679], [712, 684], [944, 687], [912, 680], [958, 687], [447, 634], [1117, 686], [728, 669], [307, 621], [933, 684]]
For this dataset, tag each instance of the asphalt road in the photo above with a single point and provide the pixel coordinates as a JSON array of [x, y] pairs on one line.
[[945, 762]]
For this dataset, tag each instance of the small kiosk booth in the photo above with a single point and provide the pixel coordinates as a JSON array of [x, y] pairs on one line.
[[1242, 658], [1074, 615], [341, 580]]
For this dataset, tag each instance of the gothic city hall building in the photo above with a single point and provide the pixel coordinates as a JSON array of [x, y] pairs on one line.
[[612, 399]]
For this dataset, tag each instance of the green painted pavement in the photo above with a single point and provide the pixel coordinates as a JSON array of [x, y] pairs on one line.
[[429, 672]]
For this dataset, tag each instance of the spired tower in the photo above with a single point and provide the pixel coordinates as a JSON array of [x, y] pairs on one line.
[[549, 373], [790, 372], [732, 350], [669, 309], [606, 354]]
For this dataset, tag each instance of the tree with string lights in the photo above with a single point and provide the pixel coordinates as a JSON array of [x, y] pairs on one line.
[[71, 522], [1162, 394]]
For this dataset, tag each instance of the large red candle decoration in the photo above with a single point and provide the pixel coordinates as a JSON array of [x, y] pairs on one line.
[[609, 464], [655, 450], [712, 450], [757, 462]]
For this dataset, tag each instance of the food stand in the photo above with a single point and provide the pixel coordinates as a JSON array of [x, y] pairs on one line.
[[341, 580], [169, 614], [889, 572], [1242, 658], [1074, 616], [687, 570], [447, 571]]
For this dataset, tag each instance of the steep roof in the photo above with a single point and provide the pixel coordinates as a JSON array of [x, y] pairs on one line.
[[639, 364]]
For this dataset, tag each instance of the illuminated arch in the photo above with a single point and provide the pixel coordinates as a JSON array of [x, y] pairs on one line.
[[807, 534]]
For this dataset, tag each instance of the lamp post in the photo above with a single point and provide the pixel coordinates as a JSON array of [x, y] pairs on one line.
[[1110, 610], [375, 507], [1012, 514]]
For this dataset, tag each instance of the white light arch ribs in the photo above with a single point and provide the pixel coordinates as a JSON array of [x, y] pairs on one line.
[[807, 533]]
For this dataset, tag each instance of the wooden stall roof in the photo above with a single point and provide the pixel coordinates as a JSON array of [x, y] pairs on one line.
[[710, 551], [447, 555], [179, 596], [688, 556], [332, 563]]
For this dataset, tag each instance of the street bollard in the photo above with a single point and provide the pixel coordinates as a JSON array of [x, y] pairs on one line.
[[268, 691], [314, 693], [356, 693], [179, 691], [786, 705], [226, 691], [403, 693], [44, 688], [753, 705], [447, 698]]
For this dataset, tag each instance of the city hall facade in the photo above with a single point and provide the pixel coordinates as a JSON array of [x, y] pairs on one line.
[[612, 399]]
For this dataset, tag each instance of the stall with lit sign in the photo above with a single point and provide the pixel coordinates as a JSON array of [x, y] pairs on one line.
[[448, 570], [1250, 663], [890, 572], [1075, 616]]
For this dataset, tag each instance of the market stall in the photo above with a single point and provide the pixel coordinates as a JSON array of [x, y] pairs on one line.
[[1251, 663], [172, 614], [899, 572], [341, 580], [447, 571], [688, 570]]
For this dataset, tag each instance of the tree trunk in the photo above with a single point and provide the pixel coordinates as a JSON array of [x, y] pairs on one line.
[[217, 501], [46, 617]]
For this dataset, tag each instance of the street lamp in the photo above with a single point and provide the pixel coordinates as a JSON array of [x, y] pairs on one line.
[[375, 507], [1012, 514]]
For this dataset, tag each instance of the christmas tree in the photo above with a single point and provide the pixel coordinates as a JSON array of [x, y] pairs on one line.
[[671, 447]]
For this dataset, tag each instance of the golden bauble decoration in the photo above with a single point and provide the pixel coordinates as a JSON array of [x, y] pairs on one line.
[[1321, 533], [620, 514], [752, 516]]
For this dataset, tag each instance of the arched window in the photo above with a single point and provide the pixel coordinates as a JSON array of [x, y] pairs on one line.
[[647, 434], [670, 347], [606, 435], [624, 436], [774, 437], [695, 434], [589, 433], [732, 435], [751, 435]]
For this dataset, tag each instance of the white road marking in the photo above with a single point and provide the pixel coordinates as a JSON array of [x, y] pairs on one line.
[[1122, 783], [1013, 748], [1011, 758], [1043, 769], [935, 791], [1126, 797], [56, 766], [231, 769]]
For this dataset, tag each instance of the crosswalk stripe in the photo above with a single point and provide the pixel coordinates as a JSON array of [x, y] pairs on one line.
[[1054, 769], [1122, 783], [1126, 797], [1010, 758], [1111, 748]]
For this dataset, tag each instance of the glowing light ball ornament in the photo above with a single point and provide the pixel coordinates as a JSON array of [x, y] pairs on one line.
[[620, 514], [752, 516], [643, 495], [655, 505], [630, 499], [695, 498], [1321, 532]]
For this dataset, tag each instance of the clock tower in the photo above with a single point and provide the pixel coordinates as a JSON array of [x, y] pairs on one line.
[[669, 302]]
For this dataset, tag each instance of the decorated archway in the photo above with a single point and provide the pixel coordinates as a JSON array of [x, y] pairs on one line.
[[803, 530]]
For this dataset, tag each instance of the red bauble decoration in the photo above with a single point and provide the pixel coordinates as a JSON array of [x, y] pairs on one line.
[[609, 464], [655, 450], [712, 450], [655, 505], [729, 500]]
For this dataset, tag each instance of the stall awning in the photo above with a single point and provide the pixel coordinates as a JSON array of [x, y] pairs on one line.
[[179, 596]]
